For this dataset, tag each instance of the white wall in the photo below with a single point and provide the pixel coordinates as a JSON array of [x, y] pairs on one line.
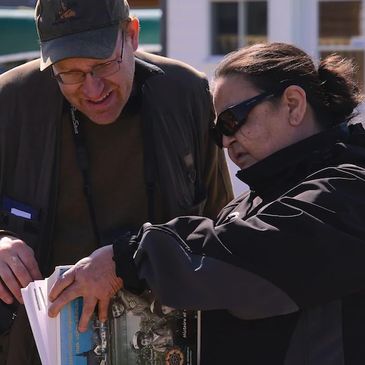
[[189, 29], [293, 21], [188, 26]]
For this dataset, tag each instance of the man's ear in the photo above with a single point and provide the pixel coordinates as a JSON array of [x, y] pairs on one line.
[[296, 100], [132, 32]]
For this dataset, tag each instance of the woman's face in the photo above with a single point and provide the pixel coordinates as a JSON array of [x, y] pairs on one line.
[[265, 129]]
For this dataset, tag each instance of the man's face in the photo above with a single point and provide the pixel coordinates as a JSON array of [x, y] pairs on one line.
[[102, 99]]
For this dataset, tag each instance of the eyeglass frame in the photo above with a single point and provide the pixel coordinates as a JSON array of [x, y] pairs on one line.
[[118, 60], [239, 113]]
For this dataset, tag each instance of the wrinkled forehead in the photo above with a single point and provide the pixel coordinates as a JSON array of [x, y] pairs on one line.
[[231, 90]]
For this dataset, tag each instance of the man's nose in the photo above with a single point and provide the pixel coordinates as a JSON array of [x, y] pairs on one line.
[[92, 86]]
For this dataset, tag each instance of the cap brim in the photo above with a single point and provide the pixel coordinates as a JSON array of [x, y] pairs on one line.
[[96, 43]]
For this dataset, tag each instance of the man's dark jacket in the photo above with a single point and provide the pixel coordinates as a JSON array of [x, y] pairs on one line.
[[281, 274], [176, 113]]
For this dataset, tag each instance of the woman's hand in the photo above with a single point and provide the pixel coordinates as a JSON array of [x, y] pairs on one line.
[[92, 278]]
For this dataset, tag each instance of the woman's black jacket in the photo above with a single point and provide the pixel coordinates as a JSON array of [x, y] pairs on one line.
[[281, 274]]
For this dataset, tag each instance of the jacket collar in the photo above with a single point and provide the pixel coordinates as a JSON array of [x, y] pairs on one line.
[[145, 70], [287, 166]]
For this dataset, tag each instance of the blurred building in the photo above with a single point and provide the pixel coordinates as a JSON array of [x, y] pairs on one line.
[[144, 3], [18, 36], [133, 3], [200, 32], [17, 3]]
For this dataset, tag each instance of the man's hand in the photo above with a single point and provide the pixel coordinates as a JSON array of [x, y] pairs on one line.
[[92, 278], [18, 267]]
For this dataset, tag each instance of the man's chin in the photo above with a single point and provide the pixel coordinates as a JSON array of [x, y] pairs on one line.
[[102, 119]]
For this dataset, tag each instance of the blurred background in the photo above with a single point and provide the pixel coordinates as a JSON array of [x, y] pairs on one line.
[[18, 36], [200, 32]]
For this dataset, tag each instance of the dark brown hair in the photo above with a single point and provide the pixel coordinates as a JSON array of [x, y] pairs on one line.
[[331, 89]]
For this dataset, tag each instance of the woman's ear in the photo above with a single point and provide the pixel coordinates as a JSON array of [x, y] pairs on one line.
[[295, 98]]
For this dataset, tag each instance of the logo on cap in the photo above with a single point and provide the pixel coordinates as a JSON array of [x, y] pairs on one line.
[[65, 12]]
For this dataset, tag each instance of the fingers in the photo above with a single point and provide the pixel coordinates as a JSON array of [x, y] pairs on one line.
[[103, 306], [63, 282], [67, 296], [5, 295], [14, 275], [9, 279], [30, 263], [88, 308], [63, 291], [18, 268]]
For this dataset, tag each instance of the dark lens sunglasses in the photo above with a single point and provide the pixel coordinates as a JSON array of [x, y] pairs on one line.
[[231, 120]]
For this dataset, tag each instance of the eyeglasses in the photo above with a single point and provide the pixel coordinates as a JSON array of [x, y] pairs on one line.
[[102, 70], [231, 120]]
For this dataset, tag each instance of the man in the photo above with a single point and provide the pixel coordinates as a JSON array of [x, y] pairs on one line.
[[96, 142]]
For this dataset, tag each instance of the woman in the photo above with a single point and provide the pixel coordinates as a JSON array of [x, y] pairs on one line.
[[280, 275]]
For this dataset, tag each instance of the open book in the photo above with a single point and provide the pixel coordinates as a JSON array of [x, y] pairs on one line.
[[139, 331]]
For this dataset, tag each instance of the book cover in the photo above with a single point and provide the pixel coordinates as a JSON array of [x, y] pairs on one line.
[[139, 331]]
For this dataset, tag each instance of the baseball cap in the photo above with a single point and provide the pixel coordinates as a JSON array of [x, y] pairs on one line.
[[78, 28]]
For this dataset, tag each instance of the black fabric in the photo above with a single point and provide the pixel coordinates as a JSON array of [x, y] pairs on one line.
[[272, 176], [302, 229], [7, 315], [245, 342], [82, 159], [353, 328], [123, 249]]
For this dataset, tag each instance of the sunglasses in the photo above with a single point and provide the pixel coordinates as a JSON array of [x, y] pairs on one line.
[[231, 120]]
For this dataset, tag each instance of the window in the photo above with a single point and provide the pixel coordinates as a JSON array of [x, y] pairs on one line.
[[341, 31], [236, 24]]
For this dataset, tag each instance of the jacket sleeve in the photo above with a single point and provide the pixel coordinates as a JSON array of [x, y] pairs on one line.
[[300, 250]]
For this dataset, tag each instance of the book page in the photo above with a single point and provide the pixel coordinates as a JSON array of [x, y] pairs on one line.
[[33, 306], [54, 323]]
